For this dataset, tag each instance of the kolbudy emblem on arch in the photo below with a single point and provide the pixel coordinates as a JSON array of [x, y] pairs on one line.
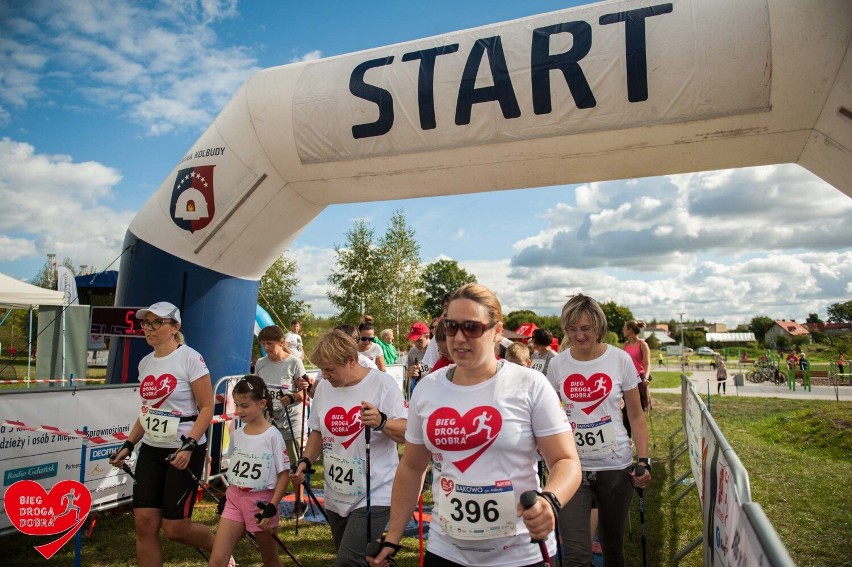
[[193, 204]]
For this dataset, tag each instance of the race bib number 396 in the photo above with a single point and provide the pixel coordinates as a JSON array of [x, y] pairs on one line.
[[474, 511]]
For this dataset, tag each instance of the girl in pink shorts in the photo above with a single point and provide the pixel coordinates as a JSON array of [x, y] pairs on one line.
[[258, 477]]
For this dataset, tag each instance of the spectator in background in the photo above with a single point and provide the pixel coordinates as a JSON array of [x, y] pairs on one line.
[[367, 345], [385, 341], [804, 364], [721, 377], [440, 338], [792, 361], [281, 370], [294, 339], [640, 354], [840, 363], [519, 353], [431, 356], [415, 367], [541, 352]]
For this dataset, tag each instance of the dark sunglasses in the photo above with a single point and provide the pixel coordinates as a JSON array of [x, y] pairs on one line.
[[365, 339], [470, 329]]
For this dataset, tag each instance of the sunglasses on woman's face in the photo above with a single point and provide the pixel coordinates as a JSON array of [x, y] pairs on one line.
[[470, 329], [366, 339]]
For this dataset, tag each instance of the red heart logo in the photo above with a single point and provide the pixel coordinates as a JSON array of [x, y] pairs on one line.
[[157, 388], [342, 423], [36, 512], [580, 389], [449, 431], [447, 485]]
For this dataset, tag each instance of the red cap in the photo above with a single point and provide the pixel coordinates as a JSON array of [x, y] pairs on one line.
[[418, 329]]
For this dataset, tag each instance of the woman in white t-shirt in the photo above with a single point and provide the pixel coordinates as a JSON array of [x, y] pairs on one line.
[[176, 409], [349, 399], [592, 378], [367, 345], [479, 422]]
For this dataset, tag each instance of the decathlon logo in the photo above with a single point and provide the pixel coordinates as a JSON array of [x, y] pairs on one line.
[[97, 453]]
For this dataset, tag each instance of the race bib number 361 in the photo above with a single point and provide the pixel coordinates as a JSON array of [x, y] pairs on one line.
[[595, 439]]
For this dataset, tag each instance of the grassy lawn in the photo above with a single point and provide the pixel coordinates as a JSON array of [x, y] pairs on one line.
[[798, 454]]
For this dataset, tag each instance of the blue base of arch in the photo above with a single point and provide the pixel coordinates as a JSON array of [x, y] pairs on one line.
[[217, 311]]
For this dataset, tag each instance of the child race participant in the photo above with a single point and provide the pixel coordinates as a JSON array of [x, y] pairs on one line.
[[259, 473]]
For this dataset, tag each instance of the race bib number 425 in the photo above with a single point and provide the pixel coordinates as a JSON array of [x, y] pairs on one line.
[[249, 470]]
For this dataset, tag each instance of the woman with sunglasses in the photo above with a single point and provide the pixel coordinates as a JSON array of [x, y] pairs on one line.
[[176, 409], [367, 343], [479, 422], [593, 378]]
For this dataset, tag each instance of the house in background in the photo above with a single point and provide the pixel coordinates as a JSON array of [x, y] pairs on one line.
[[790, 330], [831, 329]]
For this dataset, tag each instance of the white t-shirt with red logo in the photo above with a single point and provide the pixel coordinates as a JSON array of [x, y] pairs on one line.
[[336, 414], [482, 440], [257, 460], [164, 385], [591, 392]]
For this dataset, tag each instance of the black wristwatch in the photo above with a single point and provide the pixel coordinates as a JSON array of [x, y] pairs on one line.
[[384, 421], [646, 462]]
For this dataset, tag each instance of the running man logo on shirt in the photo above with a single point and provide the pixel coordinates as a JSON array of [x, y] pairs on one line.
[[157, 388], [471, 434], [592, 390], [342, 423]]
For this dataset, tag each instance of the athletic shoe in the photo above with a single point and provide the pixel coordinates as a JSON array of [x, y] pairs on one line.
[[231, 562]]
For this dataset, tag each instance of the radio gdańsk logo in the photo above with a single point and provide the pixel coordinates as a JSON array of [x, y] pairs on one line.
[[192, 206]]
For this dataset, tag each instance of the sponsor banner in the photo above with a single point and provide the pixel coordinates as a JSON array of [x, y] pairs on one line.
[[692, 426], [51, 456], [608, 66]]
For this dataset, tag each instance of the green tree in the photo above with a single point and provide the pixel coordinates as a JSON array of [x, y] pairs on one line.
[[813, 318], [840, 312], [399, 276], [440, 277], [354, 281], [616, 316], [277, 292], [517, 318], [760, 325]]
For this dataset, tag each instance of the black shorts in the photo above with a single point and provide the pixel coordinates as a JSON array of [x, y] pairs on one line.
[[160, 485]]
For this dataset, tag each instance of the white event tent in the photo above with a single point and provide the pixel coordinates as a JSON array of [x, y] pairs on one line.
[[15, 294]]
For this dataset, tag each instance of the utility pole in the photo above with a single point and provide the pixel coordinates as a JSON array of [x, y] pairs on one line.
[[682, 346]]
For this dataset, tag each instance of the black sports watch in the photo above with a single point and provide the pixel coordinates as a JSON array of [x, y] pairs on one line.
[[646, 461]]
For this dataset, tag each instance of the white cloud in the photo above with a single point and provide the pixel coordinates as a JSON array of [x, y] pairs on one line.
[[310, 56], [165, 61], [52, 204]]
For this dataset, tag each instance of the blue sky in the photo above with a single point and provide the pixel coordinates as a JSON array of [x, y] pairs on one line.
[[99, 100]]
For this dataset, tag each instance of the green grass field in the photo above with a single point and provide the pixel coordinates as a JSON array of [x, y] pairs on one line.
[[798, 454]]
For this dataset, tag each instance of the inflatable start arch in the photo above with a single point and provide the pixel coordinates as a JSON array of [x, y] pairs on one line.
[[606, 91]]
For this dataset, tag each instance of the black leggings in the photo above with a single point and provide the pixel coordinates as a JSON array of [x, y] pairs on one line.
[[613, 491]]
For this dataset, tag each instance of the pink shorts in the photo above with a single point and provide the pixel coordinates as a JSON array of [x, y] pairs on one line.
[[241, 506]]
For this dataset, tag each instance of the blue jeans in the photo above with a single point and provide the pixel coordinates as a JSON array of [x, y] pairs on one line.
[[613, 491]]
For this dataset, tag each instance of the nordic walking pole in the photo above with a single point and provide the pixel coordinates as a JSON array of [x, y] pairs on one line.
[[262, 505], [528, 499], [369, 511], [298, 489], [640, 471]]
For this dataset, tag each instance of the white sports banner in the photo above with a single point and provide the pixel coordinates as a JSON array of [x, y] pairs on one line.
[[608, 66], [66, 283], [49, 457]]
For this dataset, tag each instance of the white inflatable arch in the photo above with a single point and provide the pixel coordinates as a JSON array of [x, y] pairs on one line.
[[605, 91]]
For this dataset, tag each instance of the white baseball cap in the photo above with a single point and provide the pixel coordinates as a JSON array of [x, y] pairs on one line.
[[162, 309]]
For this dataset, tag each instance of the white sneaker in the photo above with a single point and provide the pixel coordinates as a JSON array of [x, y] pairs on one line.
[[231, 562]]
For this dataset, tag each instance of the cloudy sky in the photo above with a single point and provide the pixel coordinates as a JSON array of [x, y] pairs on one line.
[[99, 100]]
